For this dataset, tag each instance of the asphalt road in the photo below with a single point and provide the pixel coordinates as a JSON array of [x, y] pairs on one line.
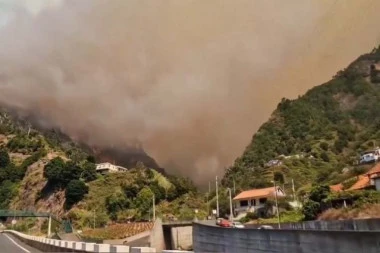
[[9, 244]]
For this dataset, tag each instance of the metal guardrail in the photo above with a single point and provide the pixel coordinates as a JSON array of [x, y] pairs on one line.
[[18, 213], [24, 213]]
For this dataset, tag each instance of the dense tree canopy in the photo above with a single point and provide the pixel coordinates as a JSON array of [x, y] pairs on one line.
[[4, 158], [75, 192]]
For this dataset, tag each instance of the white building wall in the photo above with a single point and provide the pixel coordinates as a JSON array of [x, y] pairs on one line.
[[377, 184]]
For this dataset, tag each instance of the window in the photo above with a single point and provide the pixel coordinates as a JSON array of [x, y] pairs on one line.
[[262, 200], [253, 202], [244, 203]]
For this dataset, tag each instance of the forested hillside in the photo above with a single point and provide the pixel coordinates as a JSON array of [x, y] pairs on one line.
[[319, 136], [43, 170]]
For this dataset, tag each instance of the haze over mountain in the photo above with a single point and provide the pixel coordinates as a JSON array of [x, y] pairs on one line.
[[191, 80]]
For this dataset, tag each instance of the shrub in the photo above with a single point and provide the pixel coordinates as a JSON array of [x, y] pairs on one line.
[[244, 219], [75, 192], [24, 143], [8, 190], [319, 193], [115, 203], [88, 171], [324, 146], [311, 209], [325, 157], [4, 158], [60, 173], [53, 170], [251, 216]]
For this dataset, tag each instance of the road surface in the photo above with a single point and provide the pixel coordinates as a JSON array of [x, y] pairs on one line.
[[9, 244]]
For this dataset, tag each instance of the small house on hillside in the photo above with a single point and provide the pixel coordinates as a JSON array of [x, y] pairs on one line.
[[255, 199], [369, 180], [370, 156], [104, 168], [273, 163]]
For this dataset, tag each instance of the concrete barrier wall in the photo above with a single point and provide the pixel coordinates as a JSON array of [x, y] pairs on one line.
[[356, 225], [216, 239], [52, 245], [156, 237], [182, 237]]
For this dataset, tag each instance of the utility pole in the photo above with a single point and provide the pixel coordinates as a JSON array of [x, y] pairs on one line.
[[208, 199], [154, 209], [278, 211], [294, 191], [217, 198], [231, 214], [234, 187], [94, 219]]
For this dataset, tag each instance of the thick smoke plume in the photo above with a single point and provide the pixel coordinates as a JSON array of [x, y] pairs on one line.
[[191, 80]]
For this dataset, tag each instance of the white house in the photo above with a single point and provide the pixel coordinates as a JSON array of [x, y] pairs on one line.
[[273, 163], [253, 200], [109, 168], [370, 156]]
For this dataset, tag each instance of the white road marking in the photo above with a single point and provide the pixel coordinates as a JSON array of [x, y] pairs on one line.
[[18, 245]]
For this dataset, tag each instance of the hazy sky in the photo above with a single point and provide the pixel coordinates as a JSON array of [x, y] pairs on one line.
[[192, 80]]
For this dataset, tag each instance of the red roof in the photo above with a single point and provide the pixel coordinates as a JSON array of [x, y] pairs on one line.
[[364, 180], [375, 169], [256, 193], [336, 187]]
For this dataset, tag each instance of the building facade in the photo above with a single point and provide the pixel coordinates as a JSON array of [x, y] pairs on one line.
[[104, 168], [255, 199]]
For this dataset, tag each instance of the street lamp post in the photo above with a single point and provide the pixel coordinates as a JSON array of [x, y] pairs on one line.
[[231, 214], [154, 208], [217, 198], [278, 211]]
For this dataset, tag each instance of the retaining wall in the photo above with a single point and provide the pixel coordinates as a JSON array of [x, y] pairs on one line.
[[156, 236], [216, 239], [182, 237]]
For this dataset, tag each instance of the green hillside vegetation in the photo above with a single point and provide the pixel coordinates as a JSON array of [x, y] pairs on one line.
[[318, 134], [128, 196], [68, 170]]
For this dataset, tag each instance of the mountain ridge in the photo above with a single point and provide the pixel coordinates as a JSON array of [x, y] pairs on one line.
[[317, 135]]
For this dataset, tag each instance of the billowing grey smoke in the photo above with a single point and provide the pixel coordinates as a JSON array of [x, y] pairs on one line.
[[191, 80]]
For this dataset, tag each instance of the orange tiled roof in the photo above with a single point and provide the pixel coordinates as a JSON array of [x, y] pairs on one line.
[[256, 193], [336, 187], [364, 180], [375, 169]]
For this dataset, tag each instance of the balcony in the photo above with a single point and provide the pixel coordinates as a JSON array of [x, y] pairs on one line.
[[248, 209]]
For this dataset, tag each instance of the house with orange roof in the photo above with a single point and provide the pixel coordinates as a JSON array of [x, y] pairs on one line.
[[255, 199], [371, 179]]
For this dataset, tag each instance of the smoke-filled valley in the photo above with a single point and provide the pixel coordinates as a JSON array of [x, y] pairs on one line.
[[190, 80]]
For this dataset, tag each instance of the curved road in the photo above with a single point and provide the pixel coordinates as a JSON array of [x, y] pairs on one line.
[[9, 244]]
